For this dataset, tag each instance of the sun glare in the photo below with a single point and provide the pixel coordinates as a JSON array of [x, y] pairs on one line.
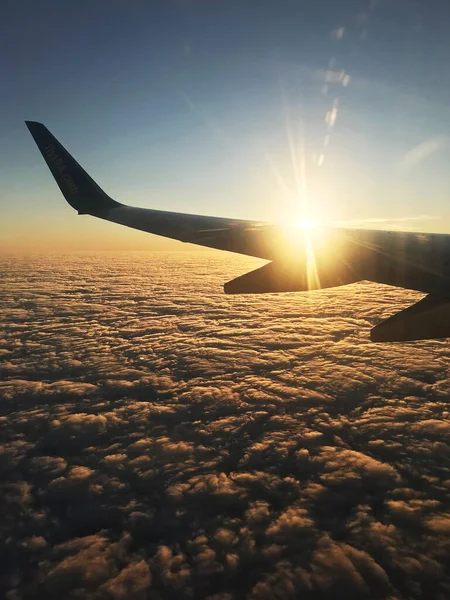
[[306, 223], [307, 247]]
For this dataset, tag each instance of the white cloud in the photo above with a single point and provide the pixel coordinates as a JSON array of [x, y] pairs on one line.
[[423, 151], [162, 438]]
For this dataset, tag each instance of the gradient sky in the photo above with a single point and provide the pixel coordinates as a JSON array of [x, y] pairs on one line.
[[248, 109]]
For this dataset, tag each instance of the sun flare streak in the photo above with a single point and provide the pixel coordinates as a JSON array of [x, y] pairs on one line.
[[302, 240], [303, 224], [312, 273]]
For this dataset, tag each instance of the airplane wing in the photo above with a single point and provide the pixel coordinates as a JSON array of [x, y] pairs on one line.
[[300, 260], [85, 196]]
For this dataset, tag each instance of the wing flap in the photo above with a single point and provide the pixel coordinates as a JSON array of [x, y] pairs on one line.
[[275, 277], [427, 319]]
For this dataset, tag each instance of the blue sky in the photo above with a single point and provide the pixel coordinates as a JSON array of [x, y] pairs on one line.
[[250, 109]]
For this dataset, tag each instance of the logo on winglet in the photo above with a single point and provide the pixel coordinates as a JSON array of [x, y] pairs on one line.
[[55, 159]]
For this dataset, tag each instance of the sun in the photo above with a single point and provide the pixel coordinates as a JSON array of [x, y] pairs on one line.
[[306, 223]]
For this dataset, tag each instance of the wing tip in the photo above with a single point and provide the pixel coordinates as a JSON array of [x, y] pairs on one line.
[[77, 186], [34, 125]]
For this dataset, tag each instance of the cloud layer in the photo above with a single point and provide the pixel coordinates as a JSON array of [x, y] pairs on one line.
[[160, 439]]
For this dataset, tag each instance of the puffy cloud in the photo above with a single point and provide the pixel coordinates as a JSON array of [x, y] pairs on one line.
[[162, 439], [345, 466], [132, 583], [356, 572], [292, 523], [434, 427]]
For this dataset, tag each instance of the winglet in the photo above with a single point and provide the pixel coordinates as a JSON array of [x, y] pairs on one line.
[[78, 188]]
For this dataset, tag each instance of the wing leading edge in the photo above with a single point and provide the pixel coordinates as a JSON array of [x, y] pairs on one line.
[[409, 260]]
